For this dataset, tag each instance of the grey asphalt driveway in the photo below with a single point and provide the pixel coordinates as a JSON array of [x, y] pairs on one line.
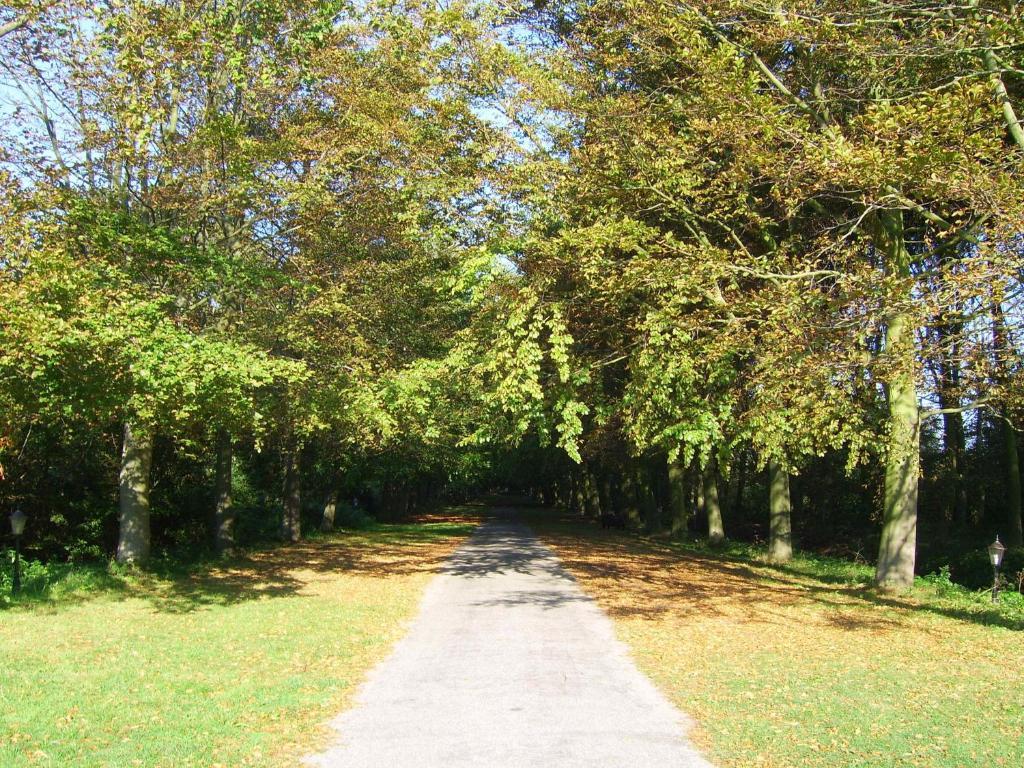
[[508, 664]]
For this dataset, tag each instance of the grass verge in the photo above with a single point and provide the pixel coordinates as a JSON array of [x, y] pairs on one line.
[[237, 664], [802, 665]]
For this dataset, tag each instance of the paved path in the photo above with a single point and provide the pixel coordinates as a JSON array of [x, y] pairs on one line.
[[508, 665]]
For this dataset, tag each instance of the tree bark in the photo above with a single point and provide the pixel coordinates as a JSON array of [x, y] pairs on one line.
[[590, 490], [133, 543], [780, 535], [679, 512], [291, 524], [223, 510], [712, 507], [898, 547]]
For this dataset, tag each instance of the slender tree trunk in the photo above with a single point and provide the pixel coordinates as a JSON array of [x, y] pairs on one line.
[[680, 513], [954, 443], [648, 501], [629, 494], [736, 510], [698, 493], [953, 439], [593, 498], [898, 547], [579, 493], [330, 507], [606, 491], [1014, 534], [780, 536], [223, 510], [709, 484], [133, 543], [291, 524]]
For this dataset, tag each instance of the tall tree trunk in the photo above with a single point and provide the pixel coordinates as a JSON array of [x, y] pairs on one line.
[[679, 508], [629, 494], [780, 535], [590, 490], [709, 485], [133, 543], [606, 490], [898, 547], [330, 508], [1014, 534], [223, 510], [953, 440], [955, 444], [698, 492], [291, 524], [736, 508], [579, 492]]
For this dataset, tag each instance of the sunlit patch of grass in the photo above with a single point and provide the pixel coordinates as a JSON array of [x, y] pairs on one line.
[[236, 664], [804, 665]]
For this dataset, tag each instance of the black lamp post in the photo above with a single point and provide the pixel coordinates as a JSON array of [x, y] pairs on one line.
[[995, 554], [18, 519]]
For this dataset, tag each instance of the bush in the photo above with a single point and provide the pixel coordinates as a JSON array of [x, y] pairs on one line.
[[354, 518], [974, 570], [43, 581]]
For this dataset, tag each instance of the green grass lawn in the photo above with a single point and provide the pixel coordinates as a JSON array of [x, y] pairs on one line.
[[804, 666], [236, 665]]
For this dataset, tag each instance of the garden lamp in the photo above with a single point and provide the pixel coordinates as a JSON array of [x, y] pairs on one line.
[[995, 555], [18, 519]]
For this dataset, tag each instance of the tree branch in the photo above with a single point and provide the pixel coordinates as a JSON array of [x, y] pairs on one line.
[[15, 24], [981, 402]]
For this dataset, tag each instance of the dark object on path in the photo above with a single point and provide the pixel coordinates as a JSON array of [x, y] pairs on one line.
[[610, 520]]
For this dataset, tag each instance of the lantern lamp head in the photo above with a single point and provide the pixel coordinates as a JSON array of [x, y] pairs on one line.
[[18, 519], [995, 553]]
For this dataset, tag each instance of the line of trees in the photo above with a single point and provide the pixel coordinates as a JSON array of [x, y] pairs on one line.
[[774, 233], [682, 254], [230, 231]]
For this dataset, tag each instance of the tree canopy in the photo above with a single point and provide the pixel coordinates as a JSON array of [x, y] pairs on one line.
[[641, 258]]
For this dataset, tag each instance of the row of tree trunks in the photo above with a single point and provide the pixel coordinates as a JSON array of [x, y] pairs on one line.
[[1014, 534], [667, 504]]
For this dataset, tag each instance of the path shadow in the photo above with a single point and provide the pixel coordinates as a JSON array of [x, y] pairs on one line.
[[501, 547], [540, 598]]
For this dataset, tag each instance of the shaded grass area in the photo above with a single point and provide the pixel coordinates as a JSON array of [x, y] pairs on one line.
[[803, 665], [236, 664]]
